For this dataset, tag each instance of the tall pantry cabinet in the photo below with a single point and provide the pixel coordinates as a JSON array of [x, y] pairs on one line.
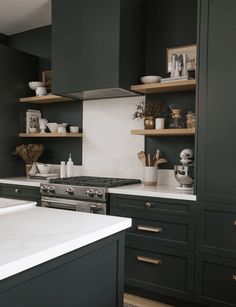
[[216, 155]]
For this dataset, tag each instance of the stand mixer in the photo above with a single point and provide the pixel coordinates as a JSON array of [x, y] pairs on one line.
[[184, 173]]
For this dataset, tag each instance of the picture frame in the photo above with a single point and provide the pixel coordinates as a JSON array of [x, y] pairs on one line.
[[32, 120], [47, 78], [190, 50]]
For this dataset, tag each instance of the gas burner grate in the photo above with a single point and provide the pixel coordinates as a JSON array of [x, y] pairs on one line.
[[105, 182]]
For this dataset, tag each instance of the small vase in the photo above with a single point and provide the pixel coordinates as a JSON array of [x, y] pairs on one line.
[[149, 122], [27, 169]]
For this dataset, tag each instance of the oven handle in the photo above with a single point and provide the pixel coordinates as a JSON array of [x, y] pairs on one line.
[[60, 201]]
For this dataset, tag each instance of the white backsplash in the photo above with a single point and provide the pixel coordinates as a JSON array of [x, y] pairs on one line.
[[109, 149]]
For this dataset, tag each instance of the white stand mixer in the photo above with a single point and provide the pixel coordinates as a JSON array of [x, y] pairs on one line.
[[184, 173]]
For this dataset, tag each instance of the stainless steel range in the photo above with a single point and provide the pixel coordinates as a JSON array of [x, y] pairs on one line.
[[86, 194]]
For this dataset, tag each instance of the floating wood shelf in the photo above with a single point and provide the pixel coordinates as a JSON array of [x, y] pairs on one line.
[[45, 99], [164, 132], [51, 135], [173, 86]]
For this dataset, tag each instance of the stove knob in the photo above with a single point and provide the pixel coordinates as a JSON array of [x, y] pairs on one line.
[[43, 189], [51, 189], [99, 193], [70, 191], [90, 193]]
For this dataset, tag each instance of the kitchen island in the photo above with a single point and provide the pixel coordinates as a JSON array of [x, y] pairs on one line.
[[59, 258]]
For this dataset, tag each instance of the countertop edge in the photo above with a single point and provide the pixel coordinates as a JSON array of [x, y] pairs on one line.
[[28, 262]]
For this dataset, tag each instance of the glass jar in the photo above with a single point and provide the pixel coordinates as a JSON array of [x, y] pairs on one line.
[[176, 121]]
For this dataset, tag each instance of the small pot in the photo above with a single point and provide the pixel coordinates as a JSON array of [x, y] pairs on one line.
[[150, 176], [149, 122]]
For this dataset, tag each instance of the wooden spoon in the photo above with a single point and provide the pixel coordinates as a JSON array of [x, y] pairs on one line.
[[142, 157]]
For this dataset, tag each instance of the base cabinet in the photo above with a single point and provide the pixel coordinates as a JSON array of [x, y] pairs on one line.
[[20, 192], [159, 254], [216, 281]]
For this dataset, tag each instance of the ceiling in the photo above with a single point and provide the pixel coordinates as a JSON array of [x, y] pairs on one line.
[[22, 15]]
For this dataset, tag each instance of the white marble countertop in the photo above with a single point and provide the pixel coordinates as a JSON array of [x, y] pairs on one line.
[[23, 181], [35, 235], [9, 204], [162, 191]]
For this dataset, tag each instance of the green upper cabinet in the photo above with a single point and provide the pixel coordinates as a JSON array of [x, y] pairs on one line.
[[216, 161], [98, 47]]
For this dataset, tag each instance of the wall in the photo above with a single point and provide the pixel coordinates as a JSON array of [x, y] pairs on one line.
[[36, 42], [169, 23]]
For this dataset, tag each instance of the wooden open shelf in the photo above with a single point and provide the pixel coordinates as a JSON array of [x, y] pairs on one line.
[[164, 132], [173, 86], [45, 99], [51, 135]]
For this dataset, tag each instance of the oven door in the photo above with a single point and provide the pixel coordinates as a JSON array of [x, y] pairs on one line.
[[73, 205]]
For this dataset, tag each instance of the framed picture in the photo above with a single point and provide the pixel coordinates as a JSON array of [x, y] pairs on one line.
[[32, 120], [47, 78], [190, 50]]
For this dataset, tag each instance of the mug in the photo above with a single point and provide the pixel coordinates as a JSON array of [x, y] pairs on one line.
[[41, 91], [74, 129]]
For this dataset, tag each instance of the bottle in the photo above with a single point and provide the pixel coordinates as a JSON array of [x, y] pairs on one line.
[[63, 169], [70, 166]]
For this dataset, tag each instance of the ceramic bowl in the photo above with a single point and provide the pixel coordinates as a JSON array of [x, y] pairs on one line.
[[151, 79], [33, 130], [74, 129], [52, 127], [34, 84], [43, 168]]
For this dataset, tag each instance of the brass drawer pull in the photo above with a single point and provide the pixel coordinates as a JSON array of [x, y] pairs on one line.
[[17, 190], [149, 229], [148, 205], [234, 223], [149, 260], [234, 277]]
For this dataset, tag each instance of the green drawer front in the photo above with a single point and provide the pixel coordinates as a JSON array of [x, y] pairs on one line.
[[216, 281], [20, 192], [217, 225], [167, 231], [149, 205], [164, 271]]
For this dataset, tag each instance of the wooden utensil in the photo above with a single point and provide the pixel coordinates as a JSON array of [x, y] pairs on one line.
[[160, 161], [149, 159], [142, 157]]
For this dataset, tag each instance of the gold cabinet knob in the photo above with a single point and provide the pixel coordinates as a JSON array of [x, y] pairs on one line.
[[148, 205], [17, 190]]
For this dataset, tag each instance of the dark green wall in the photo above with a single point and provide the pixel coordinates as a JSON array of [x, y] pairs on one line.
[[38, 42], [169, 23]]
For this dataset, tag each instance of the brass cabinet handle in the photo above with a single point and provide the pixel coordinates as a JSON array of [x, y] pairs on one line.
[[234, 223], [149, 228], [234, 277], [148, 205], [17, 190], [149, 260]]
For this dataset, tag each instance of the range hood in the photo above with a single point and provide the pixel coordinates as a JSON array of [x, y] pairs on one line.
[[98, 47]]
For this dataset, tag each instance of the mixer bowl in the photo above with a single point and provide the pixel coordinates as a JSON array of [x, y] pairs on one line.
[[185, 176]]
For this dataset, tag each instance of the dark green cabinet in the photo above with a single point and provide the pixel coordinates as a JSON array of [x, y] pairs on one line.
[[216, 102], [160, 245], [20, 192], [97, 46]]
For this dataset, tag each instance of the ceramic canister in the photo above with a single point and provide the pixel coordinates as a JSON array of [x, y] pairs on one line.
[[150, 176]]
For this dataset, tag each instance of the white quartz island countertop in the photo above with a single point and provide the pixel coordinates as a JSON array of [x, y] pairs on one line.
[[35, 235], [162, 191]]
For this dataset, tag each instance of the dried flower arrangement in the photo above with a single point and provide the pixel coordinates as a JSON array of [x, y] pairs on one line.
[[29, 153], [148, 109]]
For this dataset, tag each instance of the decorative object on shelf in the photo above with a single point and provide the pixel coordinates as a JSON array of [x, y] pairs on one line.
[[188, 58], [184, 173], [150, 79], [34, 84], [43, 124], [150, 167], [52, 127], [41, 91], [62, 128], [32, 121], [70, 167], [148, 111], [30, 154], [176, 121], [74, 129], [160, 123], [190, 120], [47, 78]]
